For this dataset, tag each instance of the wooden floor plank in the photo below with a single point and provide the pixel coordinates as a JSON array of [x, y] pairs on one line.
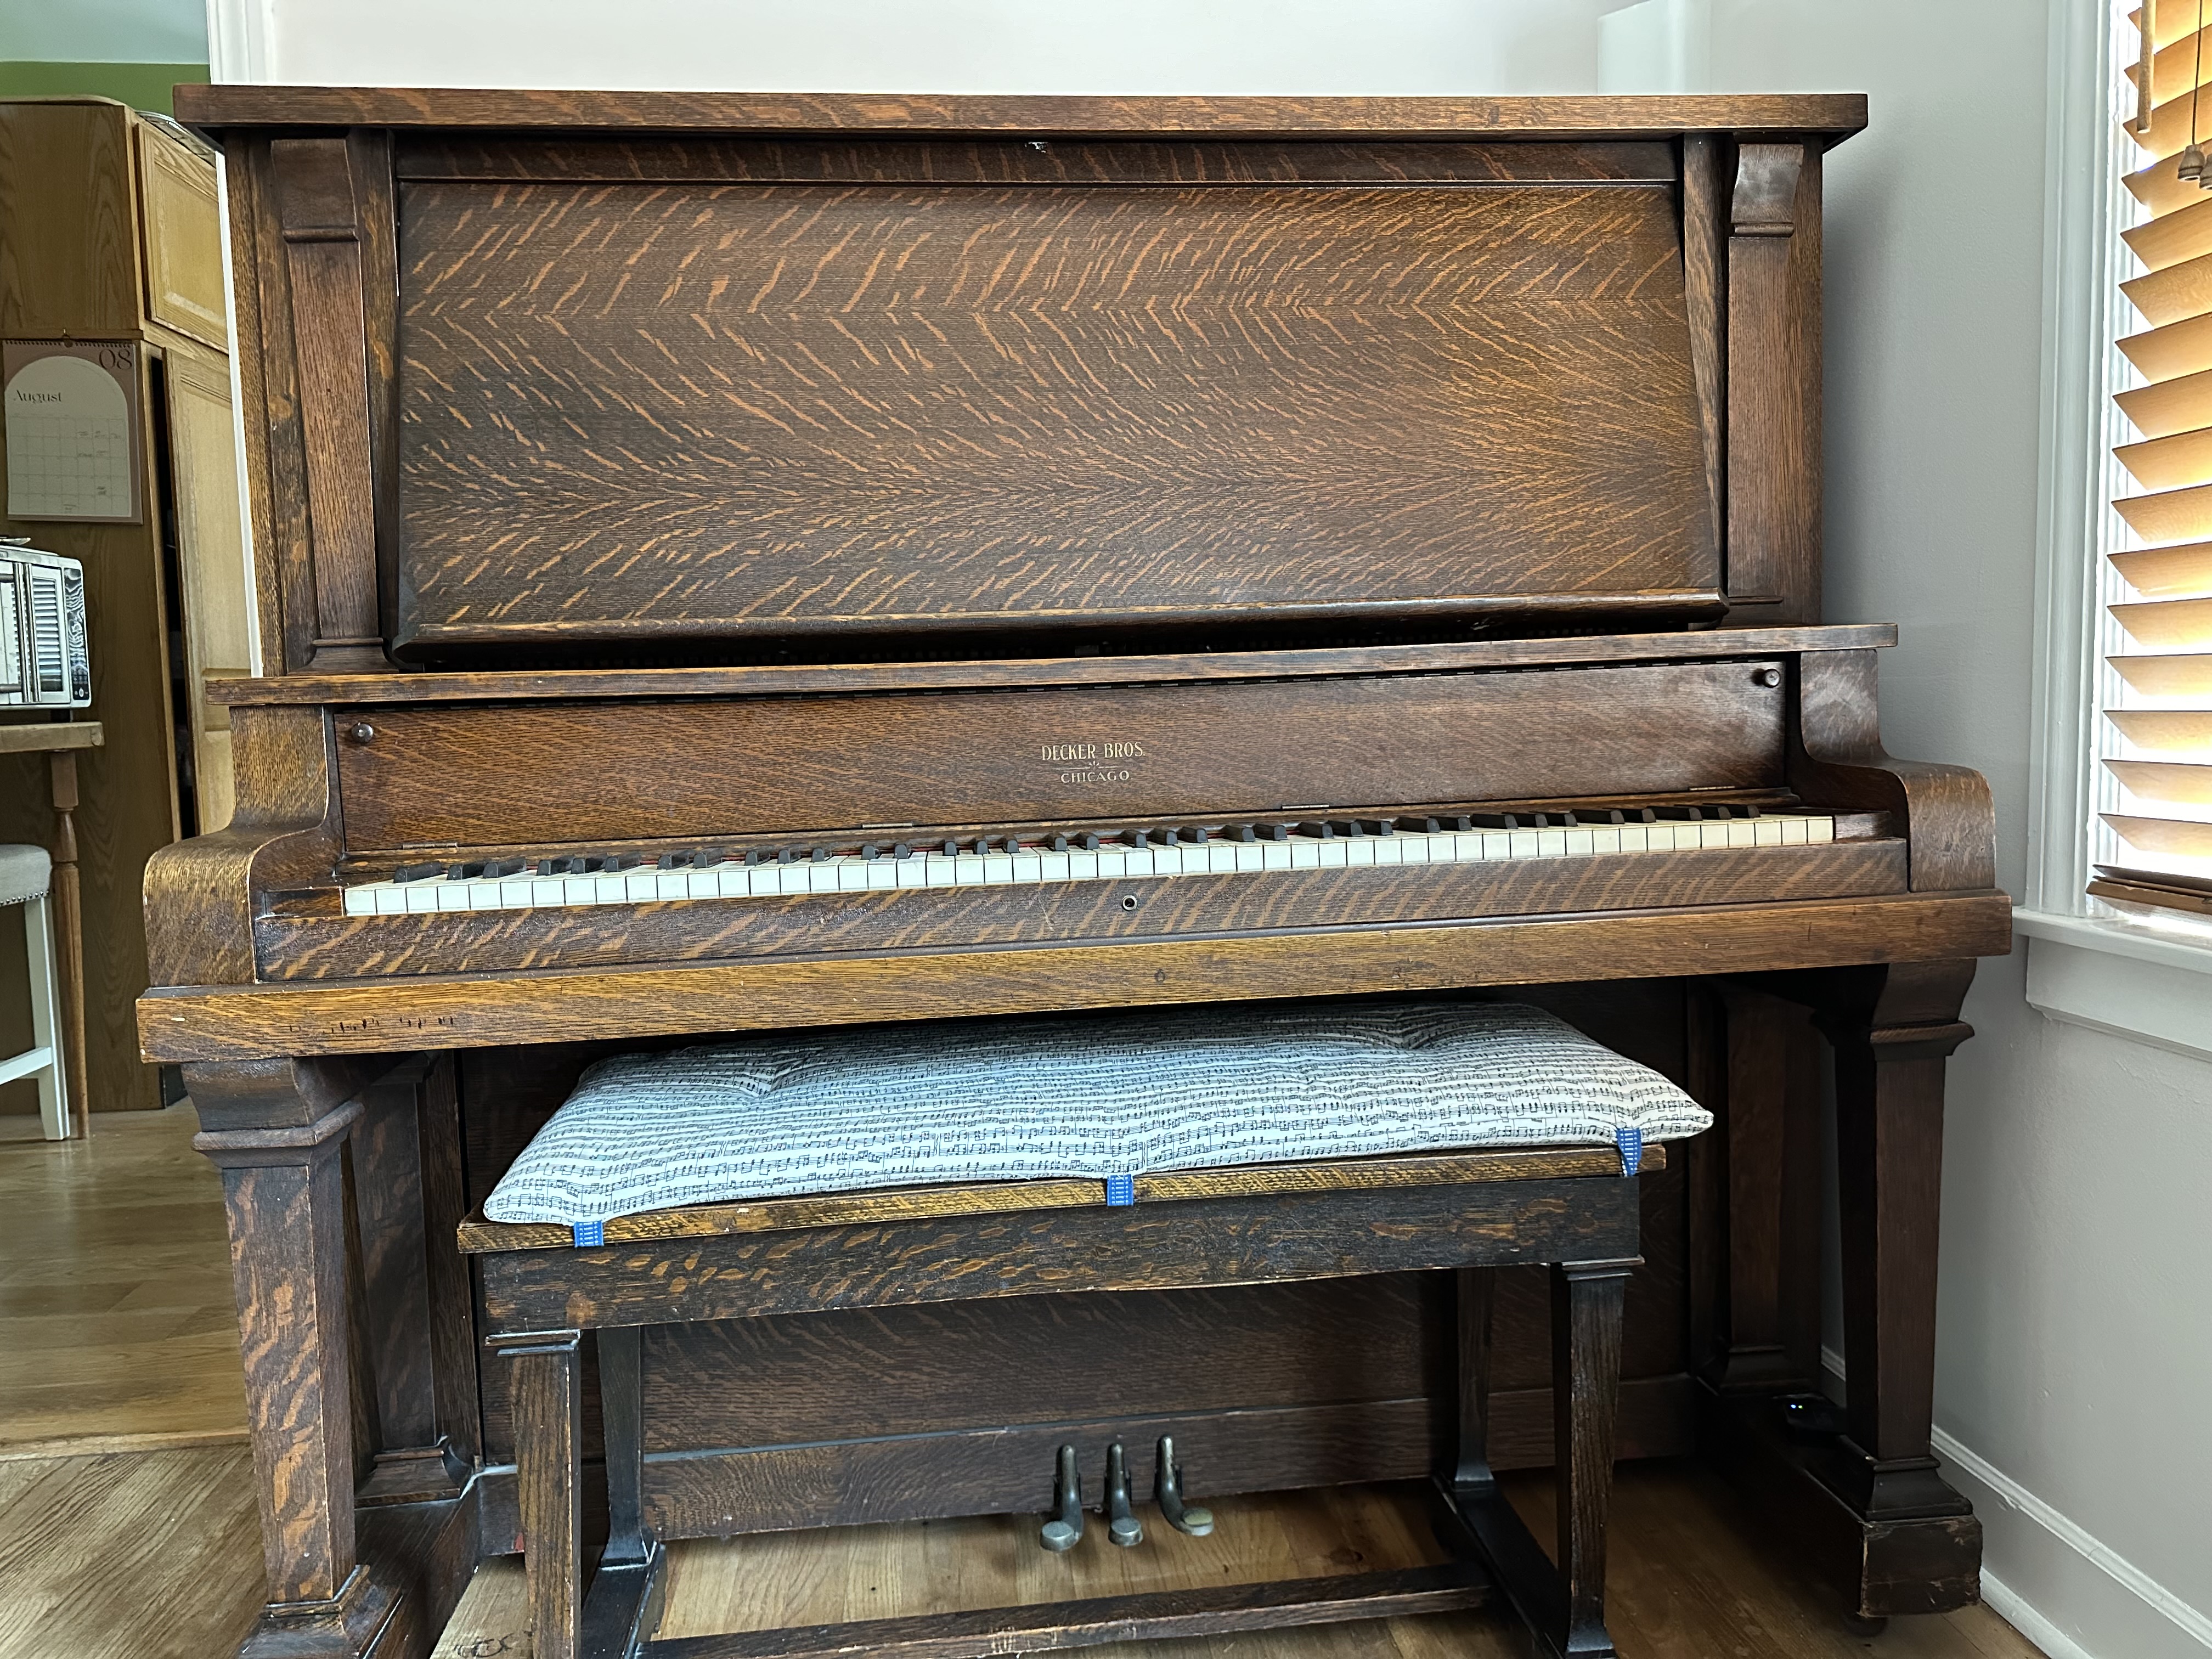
[[139, 1555], [116, 1316]]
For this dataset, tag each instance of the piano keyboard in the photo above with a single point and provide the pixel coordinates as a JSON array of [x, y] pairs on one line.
[[1035, 857]]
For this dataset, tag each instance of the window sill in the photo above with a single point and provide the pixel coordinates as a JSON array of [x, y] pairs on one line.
[[2127, 981]]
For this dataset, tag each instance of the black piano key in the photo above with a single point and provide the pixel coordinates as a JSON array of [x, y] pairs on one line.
[[823, 854], [499, 868], [1464, 822], [1164, 837], [1192, 836], [1494, 821], [417, 871], [1349, 828], [756, 855], [1273, 831], [623, 862], [672, 861], [1747, 811], [1134, 837], [903, 849], [870, 852], [1419, 826], [1246, 833], [951, 846], [786, 855], [1323, 831], [1676, 814], [1540, 820], [464, 872], [1378, 826], [1088, 842], [1059, 843]]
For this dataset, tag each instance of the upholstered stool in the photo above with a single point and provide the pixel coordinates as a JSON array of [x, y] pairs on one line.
[[26, 873], [880, 1167]]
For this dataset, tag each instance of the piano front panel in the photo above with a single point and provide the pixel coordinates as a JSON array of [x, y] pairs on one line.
[[727, 408], [609, 773]]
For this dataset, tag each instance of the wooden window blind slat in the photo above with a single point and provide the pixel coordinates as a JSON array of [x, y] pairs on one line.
[[2155, 738], [2166, 354], [2179, 676], [2167, 573]]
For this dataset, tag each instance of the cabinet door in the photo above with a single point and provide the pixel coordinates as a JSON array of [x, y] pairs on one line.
[[182, 235], [212, 561]]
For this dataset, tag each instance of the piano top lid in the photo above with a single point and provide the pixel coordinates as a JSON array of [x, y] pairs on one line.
[[1830, 116]]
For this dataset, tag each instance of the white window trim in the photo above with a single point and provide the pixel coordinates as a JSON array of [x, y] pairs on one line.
[[2087, 963]]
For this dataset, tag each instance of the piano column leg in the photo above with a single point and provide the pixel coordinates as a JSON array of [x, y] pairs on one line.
[[278, 1130], [1893, 1031]]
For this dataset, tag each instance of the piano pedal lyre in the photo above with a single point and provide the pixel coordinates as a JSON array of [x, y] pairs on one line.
[[1063, 1529], [1195, 1519], [1122, 1526]]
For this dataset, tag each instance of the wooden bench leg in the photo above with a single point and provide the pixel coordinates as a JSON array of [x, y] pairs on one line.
[[548, 1423], [1586, 1307], [1564, 1605], [623, 1606]]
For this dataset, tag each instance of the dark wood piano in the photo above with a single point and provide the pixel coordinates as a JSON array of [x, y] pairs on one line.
[[741, 561]]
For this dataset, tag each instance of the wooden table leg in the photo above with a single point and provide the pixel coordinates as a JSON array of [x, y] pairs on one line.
[[68, 935]]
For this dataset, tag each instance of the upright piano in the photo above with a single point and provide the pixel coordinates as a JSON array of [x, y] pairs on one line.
[[729, 562]]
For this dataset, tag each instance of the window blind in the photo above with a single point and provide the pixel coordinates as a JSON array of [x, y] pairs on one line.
[[2155, 846]]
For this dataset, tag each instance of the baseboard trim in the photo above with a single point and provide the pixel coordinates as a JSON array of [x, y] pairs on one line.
[[2006, 1602]]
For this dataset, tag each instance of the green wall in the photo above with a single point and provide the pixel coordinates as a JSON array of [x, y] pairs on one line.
[[142, 85]]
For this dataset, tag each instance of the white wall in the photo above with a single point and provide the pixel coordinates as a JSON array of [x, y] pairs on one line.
[[2074, 1343]]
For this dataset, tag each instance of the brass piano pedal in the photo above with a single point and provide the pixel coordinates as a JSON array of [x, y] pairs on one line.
[[1122, 1526], [1064, 1529], [1195, 1520]]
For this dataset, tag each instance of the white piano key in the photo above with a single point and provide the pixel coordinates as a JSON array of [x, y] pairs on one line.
[[820, 878], [1276, 854], [422, 897], [852, 874], [515, 893], [1333, 855], [1247, 855], [1635, 837], [703, 884], [1818, 830], [763, 880], [791, 878], [641, 886], [967, 869], [1387, 849], [1522, 843], [883, 873], [1028, 868], [998, 869], [1305, 854], [612, 889], [939, 869], [1795, 831], [1358, 853], [1551, 843], [1058, 867], [1766, 832], [1084, 866], [484, 895], [1605, 840], [359, 901], [1712, 835], [1139, 861], [1742, 832], [1416, 848], [913, 872], [1580, 843], [1221, 857]]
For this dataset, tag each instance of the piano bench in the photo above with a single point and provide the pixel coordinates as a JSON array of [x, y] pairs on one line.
[[1573, 1209]]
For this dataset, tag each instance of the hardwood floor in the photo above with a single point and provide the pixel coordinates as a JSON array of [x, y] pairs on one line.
[[116, 1324], [1690, 1579], [116, 1336]]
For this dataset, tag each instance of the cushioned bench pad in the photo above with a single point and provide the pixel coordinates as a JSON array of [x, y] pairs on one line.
[[1026, 1099]]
